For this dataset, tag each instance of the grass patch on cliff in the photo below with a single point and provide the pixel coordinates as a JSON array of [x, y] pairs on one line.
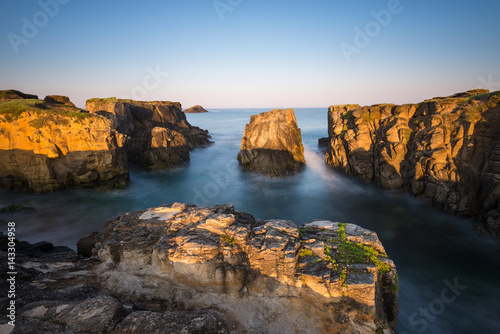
[[305, 252], [229, 241], [12, 109]]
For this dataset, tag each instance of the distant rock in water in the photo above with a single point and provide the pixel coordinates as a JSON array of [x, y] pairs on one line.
[[445, 150], [195, 109], [59, 99], [272, 144], [12, 94], [264, 276], [47, 146], [158, 133]]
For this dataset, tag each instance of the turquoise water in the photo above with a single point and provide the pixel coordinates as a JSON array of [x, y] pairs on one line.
[[431, 249]]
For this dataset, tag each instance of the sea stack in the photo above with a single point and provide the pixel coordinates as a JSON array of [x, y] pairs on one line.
[[272, 144], [197, 109], [445, 150]]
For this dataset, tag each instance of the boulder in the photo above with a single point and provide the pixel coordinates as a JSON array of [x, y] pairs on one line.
[[59, 99], [195, 110], [12, 94], [47, 147], [262, 276], [445, 150], [272, 144], [158, 133]]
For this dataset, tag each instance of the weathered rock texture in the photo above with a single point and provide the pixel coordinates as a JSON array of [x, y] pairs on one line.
[[12, 94], [158, 134], [263, 276], [272, 144], [58, 292], [444, 150], [195, 110], [49, 146], [59, 99]]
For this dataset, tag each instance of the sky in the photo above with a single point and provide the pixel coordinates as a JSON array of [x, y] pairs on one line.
[[250, 53]]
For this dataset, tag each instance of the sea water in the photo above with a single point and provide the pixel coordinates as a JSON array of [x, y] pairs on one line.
[[449, 276]]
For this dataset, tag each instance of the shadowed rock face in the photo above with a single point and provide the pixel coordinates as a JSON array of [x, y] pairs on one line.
[[444, 150], [49, 146], [272, 144], [158, 134], [12, 94], [263, 276], [59, 99], [195, 110]]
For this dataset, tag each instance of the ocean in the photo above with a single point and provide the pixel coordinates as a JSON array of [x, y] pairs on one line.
[[448, 274]]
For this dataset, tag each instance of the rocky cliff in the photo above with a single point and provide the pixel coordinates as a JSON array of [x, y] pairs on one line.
[[262, 276], [195, 110], [445, 150], [158, 134], [47, 146], [272, 144]]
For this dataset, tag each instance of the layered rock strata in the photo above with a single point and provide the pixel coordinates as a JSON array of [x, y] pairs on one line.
[[158, 133], [47, 146], [262, 276], [445, 150], [272, 144]]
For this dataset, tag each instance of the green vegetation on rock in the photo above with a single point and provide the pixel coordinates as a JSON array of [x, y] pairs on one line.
[[12, 109]]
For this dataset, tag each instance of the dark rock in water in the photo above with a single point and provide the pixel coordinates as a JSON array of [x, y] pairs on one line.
[[158, 133], [86, 244], [12, 94], [323, 142], [444, 150], [59, 99], [272, 144], [196, 109]]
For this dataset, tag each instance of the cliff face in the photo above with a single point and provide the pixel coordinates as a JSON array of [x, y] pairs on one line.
[[272, 144], [263, 276], [444, 150], [48, 146], [159, 136]]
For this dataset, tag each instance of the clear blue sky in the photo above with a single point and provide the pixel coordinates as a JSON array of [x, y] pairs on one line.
[[264, 53]]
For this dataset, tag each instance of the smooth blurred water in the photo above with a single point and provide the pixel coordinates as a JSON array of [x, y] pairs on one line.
[[428, 246]]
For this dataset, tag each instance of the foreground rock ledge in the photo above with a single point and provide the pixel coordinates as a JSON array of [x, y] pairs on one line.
[[262, 276], [272, 144]]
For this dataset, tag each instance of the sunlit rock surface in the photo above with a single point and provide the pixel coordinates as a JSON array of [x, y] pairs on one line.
[[262, 276], [272, 144], [444, 150]]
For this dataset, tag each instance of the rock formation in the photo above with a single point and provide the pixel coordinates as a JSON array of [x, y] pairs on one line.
[[272, 144], [57, 291], [158, 134], [59, 99], [445, 150], [262, 276], [12, 94], [195, 110], [48, 146]]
